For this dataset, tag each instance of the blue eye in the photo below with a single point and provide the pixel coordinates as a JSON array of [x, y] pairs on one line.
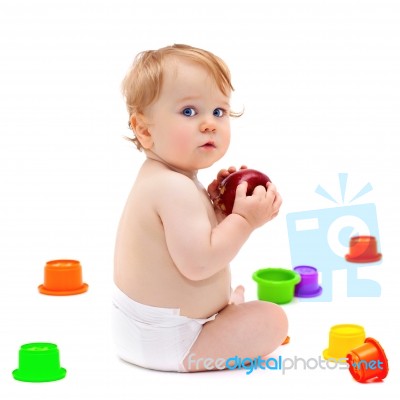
[[189, 112], [218, 112]]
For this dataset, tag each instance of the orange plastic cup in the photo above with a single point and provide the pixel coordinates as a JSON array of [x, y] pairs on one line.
[[368, 361], [363, 249], [63, 278], [286, 341]]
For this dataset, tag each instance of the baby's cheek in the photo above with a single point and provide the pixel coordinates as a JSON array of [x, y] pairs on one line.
[[183, 140]]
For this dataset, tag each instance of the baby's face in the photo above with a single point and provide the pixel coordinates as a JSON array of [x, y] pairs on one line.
[[189, 122]]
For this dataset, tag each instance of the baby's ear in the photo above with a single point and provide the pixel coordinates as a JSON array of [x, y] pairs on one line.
[[140, 128]]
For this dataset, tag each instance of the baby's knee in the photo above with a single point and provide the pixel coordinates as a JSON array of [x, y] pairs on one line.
[[273, 318]]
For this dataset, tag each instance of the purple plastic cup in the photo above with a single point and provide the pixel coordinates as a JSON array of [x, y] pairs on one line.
[[308, 286]]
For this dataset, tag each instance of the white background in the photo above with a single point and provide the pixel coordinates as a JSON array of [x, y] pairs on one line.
[[320, 84]]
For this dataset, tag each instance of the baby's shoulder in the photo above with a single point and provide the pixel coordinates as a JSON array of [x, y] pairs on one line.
[[170, 180]]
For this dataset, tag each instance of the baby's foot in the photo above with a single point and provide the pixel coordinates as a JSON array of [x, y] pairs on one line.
[[237, 296]]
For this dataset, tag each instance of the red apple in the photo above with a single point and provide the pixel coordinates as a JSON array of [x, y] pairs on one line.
[[227, 188]]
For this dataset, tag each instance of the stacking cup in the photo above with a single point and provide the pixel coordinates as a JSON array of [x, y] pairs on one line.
[[63, 278], [39, 362], [308, 286], [368, 361], [342, 339], [363, 249], [276, 284]]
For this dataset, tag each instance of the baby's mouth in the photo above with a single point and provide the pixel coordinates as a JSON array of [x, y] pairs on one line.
[[209, 145]]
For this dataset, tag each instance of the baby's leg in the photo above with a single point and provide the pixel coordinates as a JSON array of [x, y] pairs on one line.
[[245, 330]]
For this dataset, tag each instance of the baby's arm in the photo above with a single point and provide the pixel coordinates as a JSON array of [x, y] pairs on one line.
[[197, 249]]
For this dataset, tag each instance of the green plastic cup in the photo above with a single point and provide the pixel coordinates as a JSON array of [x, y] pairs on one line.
[[39, 362], [276, 284]]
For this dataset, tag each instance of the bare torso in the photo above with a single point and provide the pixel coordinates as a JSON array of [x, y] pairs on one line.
[[144, 269]]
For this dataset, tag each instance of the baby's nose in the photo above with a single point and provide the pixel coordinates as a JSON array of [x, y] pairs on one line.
[[207, 127]]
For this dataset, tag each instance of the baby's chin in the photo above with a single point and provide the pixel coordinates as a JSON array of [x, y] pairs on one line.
[[210, 161]]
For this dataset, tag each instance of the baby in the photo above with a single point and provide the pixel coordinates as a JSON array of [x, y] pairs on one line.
[[173, 306]]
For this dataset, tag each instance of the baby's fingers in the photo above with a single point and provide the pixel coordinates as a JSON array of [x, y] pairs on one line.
[[223, 173], [277, 201], [275, 198], [276, 205], [241, 191], [213, 189], [271, 190], [259, 191]]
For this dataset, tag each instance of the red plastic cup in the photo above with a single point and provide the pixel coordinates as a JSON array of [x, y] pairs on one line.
[[368, 361], [363, 249], [63, 278]]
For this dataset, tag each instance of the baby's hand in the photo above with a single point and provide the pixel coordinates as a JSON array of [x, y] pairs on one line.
[[259, 208], [222, 174]]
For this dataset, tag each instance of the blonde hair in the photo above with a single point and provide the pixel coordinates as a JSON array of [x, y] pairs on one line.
[[143, 82]]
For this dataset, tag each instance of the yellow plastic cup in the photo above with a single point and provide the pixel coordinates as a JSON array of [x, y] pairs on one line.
[[342, 339]]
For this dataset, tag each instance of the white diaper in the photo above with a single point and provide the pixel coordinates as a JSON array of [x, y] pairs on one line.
[[153, 337]]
